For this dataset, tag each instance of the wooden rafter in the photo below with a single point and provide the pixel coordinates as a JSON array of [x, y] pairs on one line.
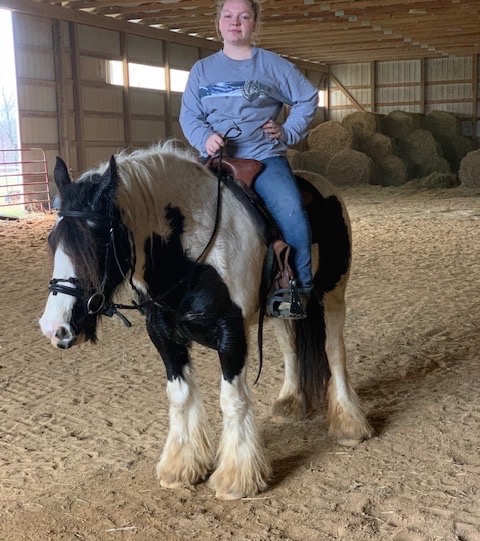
[[317, 31]]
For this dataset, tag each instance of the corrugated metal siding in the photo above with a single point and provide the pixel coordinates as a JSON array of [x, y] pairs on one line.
[[446, 84], [398, 85], [35, 97], [36, 86], [147, 102], [108, 100], [445, 89], [100, 155], [145, 50], [98, 40], [103, 130], [38, 131], [356, 80], [147, 131], [182, 57]]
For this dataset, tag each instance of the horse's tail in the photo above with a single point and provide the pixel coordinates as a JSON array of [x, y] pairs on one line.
[[312, 355]]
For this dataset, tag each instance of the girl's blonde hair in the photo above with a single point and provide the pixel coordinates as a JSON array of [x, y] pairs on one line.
[[254, 4]]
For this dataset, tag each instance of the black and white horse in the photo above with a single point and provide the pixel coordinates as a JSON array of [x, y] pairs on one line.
[[146, 218]]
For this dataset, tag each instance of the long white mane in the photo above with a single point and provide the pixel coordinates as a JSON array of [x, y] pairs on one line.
[[152, 180]]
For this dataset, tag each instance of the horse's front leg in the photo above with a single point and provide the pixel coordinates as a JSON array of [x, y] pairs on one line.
[[242, 468], [187, 456]]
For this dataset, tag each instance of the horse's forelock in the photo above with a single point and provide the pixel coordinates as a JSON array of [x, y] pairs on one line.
[[81, 246]]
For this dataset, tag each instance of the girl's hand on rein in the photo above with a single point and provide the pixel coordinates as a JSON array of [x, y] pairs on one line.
[[214, 143], [273, 130]]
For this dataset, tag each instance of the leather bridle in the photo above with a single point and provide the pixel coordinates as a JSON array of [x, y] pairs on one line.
[[97, 303]]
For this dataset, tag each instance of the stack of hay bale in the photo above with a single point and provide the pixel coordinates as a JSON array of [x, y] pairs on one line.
[[390, 150], [469, 173]]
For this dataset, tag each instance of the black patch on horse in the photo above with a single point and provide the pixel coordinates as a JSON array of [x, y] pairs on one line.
[[330, 232], [191, 302]]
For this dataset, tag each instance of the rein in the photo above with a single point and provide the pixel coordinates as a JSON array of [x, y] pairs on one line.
[[97, 303]]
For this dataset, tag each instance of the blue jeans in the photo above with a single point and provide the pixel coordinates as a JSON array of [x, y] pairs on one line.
[[278, 188]]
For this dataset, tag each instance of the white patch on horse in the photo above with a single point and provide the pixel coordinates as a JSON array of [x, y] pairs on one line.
[[242, 469], [143, 212], [187, 456], [58, 310]]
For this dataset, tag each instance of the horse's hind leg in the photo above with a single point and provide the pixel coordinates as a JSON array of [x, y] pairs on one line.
[[346, 421], [242, 469], [290, 404]]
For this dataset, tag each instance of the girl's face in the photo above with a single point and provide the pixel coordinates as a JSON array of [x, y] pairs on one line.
[[237, 22]]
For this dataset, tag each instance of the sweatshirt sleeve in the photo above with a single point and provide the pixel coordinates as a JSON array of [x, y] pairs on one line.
[[192, 117], [303, 98]]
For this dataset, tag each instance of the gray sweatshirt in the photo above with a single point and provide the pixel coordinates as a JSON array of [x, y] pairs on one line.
[[222, 93]]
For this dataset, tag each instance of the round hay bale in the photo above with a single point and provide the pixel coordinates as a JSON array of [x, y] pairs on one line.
[[442, 123], [293, 157], [300, 146], [423, 153], [455, 148], [435, 180], [376, 146], [434, 164], [469, 172], [350, 168], [319, 118], [318, 181], [314, 161], [362, 123], [392, 171], [330, 137], [400, 124]]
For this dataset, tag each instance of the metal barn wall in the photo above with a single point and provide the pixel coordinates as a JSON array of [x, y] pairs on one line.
[[68, 106], [36, 84], [417, 86]]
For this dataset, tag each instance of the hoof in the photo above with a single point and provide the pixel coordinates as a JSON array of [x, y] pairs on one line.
[[350, 442], [230, 495], [173, 484], [288, 410]]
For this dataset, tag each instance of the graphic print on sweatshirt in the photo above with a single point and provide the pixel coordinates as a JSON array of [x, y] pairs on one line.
[[250, 90]]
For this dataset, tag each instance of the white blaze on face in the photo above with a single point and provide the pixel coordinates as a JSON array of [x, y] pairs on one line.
[[54, 322]]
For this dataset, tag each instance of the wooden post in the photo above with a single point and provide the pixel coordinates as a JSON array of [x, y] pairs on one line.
[[77, 97], [61, 89]]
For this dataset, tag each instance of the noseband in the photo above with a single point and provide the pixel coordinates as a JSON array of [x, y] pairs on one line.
[[96, 304]]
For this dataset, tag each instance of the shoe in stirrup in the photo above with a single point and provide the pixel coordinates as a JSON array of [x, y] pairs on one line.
[[288, 303]]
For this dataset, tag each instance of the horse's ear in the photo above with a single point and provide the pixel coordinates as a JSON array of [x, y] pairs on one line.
[[109, 181], [61, 175]]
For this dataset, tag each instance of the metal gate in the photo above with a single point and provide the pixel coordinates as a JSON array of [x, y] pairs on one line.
[[24, 181]]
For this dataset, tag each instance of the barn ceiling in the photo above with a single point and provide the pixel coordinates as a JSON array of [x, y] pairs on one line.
[[335, 31]]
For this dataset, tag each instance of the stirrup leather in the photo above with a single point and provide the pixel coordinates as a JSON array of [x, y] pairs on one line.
[[284, 301]]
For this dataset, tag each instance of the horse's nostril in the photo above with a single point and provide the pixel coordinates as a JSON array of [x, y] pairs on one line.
[[62, 333]]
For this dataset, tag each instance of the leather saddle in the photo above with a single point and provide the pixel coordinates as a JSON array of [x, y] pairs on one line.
[[243, 173]]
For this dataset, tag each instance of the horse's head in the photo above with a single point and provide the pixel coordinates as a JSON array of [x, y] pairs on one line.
[[91, 254]]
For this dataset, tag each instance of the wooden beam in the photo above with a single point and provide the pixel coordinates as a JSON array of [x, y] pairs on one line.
[[127, 110], [77, 97], [475, 84], [359, 106], [42, 10], [61, 89]]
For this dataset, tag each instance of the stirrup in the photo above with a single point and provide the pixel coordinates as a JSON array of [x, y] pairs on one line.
[[287, 303]]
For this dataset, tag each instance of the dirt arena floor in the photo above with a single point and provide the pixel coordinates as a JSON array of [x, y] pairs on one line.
[[81, 430]]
